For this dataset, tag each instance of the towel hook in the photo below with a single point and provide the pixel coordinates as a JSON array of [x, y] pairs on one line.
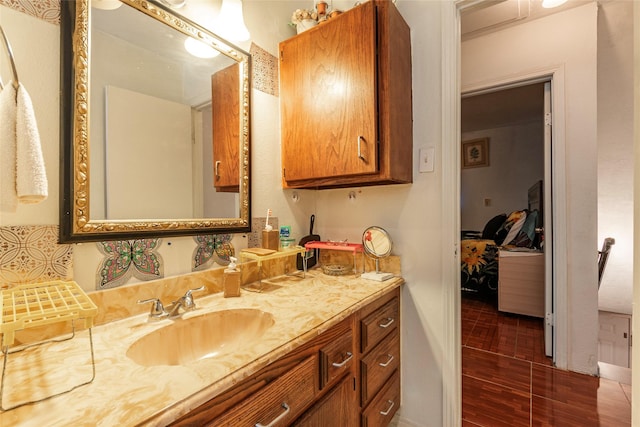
[[13, 63]]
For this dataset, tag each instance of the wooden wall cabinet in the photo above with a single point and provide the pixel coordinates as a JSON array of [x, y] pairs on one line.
[[225, 110], [346, 106], [336, 379]]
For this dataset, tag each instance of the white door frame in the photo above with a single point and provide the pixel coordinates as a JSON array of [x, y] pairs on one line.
[[451, 90]]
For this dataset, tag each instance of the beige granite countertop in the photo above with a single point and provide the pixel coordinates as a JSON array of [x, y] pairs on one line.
[[124, 393]]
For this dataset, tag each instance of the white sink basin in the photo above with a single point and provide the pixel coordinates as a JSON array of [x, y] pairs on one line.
[[199, 337]]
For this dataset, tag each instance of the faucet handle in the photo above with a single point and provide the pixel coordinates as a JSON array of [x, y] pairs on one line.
[[157, 309], [189, 303]]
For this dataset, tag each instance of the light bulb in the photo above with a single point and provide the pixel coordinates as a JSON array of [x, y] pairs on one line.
[[106, 4], [548, 4], [199, 49], [230, 23]]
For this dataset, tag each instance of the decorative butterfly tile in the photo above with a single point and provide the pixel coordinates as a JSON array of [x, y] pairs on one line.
[[212, 248], [127, 258]]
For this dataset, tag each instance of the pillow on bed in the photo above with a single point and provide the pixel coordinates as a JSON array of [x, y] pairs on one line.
[[492, 227], [515, 219], [527, 235]]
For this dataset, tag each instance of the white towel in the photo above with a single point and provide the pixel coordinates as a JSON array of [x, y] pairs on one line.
[[31, 176], [8, 109]]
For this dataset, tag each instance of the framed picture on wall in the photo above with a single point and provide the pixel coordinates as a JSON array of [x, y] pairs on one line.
[[475, 153]]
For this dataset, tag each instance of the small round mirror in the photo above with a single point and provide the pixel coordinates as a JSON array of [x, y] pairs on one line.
[[377, 244]]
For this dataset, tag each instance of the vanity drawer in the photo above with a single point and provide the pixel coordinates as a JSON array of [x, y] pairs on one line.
[[336, 358], [377, 366], [382, 409], [283, 400], [378, 324]]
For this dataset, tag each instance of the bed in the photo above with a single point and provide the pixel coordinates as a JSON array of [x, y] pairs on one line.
[[479, 250]]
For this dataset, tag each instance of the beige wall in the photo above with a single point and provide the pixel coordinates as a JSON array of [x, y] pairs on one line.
[[615, 148], [567, 43], [517, 162]]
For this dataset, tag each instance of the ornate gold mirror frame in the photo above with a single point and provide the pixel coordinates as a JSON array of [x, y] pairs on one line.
[[76, 223]]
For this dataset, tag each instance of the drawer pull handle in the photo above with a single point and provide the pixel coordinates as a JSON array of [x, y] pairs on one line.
[[344, 362], [384, 365], [278, 418], [360, 156], [390, 320], [392, 404]]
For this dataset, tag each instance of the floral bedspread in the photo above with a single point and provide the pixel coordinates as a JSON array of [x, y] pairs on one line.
[[479, 265]]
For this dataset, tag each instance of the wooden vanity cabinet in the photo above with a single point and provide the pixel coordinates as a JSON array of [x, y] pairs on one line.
[[287, 387], [379, 360], [346, 376], [346, 111]]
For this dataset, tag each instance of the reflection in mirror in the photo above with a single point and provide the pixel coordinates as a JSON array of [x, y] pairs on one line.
[[377, 244], [167, 135]]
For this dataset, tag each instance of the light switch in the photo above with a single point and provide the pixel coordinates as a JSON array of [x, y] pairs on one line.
[[427, 159]]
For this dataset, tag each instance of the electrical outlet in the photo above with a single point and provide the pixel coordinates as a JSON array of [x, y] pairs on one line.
[[427, 159]]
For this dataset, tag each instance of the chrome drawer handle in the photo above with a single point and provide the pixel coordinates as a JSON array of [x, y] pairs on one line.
[[279, 417], [344, 362], [384, 365], [392, 404], [390, 320]]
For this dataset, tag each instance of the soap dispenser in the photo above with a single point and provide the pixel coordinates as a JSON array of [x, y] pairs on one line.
[[231, 280]]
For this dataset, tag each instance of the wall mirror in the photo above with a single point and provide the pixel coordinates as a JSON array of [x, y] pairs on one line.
[[155, 141]]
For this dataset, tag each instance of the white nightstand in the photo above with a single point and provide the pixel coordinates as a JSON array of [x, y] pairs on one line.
[[521, 282]]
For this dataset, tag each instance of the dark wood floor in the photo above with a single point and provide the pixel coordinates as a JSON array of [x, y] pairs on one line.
[[507, 380]]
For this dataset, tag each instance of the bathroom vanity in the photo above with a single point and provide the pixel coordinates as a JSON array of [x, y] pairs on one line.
[[346, 374], [326, 352]]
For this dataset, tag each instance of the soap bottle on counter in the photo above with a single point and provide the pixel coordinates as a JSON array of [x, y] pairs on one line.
[[231, 280]]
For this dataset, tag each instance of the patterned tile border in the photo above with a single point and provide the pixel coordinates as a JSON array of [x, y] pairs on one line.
[[264, 74], [47, 10], [31, 254]]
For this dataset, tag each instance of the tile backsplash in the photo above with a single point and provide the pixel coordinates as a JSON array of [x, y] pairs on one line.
[[32, 254]]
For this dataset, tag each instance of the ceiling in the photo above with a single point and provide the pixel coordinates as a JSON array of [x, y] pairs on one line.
[[493, 15], [501, 108], [515, 105]]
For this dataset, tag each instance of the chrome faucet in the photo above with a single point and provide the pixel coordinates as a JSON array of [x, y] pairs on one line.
[[157, 309], [185, 302]]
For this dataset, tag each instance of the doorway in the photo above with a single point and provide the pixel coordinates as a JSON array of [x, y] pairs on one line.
[[505, 204]]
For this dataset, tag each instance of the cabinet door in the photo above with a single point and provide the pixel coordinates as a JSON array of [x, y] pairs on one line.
[[338, 408], [329, 98], [225, 108]]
